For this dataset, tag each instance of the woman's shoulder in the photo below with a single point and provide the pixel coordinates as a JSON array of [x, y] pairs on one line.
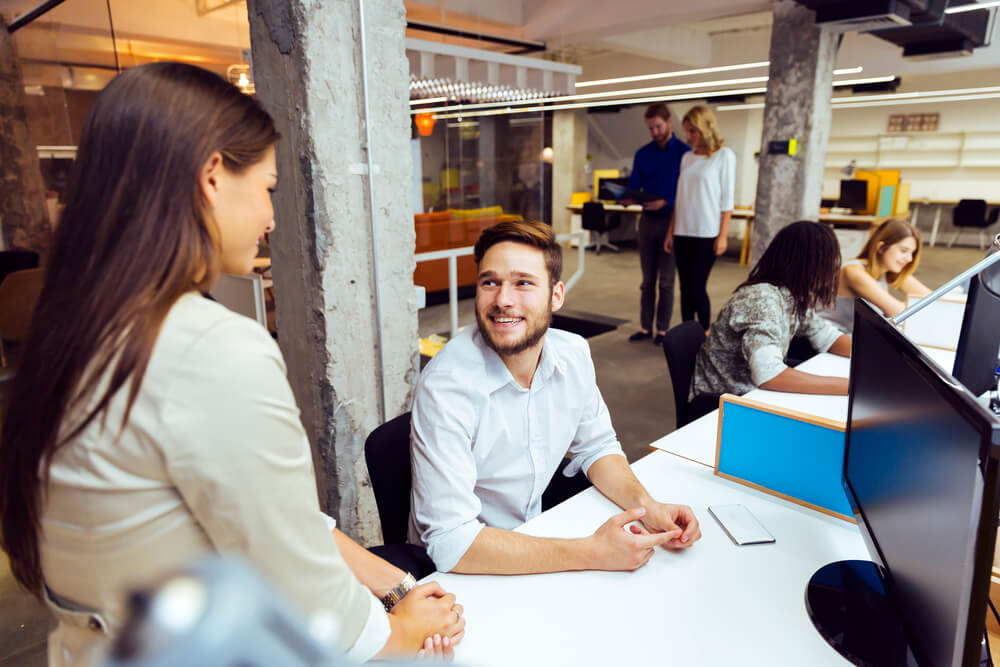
[[198, 326]]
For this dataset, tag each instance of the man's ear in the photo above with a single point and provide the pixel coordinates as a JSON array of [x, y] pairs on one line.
[[209, 177], [558, 295]]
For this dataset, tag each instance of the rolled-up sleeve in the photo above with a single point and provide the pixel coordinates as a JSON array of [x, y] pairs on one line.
[[820, 332], [446, 510], [595, 437], [240, 459]]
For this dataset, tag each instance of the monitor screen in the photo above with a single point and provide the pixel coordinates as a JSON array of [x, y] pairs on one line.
[[611, 189], [854, 195], [978, 352], [919, 473]]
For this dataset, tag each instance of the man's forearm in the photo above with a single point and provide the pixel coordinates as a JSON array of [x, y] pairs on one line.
[[613, 477], [377, 575], [498, 551]]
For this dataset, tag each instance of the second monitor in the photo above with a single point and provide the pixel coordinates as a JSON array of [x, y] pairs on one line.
[[853, 195]]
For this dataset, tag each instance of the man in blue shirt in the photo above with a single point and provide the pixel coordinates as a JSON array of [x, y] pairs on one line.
[[655, 170]]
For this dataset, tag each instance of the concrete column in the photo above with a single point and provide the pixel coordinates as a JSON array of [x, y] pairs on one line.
[[309, 74], [569, 144], [797, 106], [25, 221]]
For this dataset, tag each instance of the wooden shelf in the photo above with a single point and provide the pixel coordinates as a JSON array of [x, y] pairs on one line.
[[921, 150]]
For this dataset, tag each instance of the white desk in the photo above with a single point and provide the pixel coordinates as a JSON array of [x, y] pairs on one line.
[[715, 604], [697, 441]]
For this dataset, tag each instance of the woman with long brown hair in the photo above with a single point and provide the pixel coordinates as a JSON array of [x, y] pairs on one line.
[[149, 425], [888, 259]]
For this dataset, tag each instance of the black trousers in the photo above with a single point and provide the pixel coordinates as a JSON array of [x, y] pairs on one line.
[[695, 257], [657, 270]]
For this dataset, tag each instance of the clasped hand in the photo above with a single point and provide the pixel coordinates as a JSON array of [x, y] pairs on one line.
[[437, 618], [615, 548]]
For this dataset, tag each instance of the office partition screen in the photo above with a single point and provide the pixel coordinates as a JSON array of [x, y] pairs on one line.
[[920, 473]]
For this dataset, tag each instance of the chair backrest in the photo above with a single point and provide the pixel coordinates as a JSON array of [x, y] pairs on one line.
[[592, 216], [19, 294], [17, 260], [387, 453], [680, 347], [970, 213]]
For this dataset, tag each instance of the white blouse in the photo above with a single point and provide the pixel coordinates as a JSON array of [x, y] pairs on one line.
[[213, 458], [705, 189]]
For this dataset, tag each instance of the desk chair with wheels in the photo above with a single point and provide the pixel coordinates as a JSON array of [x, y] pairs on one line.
[[680, 347], [972, 213], [594, 219]]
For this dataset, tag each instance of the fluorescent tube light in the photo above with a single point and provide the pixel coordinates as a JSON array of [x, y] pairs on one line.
[[693, 72], [973, 7], [429, 100]]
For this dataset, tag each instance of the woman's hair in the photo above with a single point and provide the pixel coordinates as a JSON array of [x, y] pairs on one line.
[[136, 234], [805, 258], [890, 232], [704, 121]]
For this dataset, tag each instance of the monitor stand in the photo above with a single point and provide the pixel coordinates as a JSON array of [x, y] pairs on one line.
[[848, 605]]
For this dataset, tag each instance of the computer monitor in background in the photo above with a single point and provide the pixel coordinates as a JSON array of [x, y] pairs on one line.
[[920, 471], [978, 351], [853, 195], [611, 189]]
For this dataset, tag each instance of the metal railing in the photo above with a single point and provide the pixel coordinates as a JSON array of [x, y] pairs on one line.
[[452, 255]]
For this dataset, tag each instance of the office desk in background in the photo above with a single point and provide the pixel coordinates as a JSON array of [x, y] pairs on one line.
[[627, 231], [714, 604], [852, 230], [938, 205]]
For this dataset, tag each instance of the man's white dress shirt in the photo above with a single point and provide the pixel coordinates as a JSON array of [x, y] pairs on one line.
[[213, 458], [485, 448]]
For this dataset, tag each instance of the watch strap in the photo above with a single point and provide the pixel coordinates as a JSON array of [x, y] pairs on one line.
[[399, 592]]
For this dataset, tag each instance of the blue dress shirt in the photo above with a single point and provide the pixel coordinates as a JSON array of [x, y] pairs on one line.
[[656, 169]]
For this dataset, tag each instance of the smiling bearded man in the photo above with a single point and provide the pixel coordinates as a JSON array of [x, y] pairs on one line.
[[496, 411]]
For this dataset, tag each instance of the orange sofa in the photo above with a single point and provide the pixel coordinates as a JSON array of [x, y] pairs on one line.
[[451, 229]]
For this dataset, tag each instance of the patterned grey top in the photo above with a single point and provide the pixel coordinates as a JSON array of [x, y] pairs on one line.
[[749, 340]]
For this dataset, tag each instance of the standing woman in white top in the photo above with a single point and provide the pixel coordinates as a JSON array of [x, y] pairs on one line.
[[700, 222], [149, 425], [888, 259]]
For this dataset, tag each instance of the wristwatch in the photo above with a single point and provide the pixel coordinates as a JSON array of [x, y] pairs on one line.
[[399, 592]]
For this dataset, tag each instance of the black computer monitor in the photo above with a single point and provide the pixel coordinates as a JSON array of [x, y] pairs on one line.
[[853, 195], [611, 189], [920, 471], [979, 343]]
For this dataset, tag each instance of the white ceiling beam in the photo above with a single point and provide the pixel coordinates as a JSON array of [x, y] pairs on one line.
[[690, 48]]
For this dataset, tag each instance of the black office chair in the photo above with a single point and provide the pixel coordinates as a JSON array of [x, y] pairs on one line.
[[680, 347], [972, 213], [16, 260], [594, 219], [387, 454]]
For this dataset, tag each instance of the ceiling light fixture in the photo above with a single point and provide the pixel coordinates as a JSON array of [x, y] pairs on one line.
[[916, 97], [973, 7], [638, 91], [693, 72], [429, 100]]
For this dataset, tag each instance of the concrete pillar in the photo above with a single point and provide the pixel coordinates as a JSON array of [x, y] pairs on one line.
[[797, 106], [24, 218], [569, 145], [309, 74]]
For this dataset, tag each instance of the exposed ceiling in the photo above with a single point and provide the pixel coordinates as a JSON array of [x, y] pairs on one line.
[[618, 38]]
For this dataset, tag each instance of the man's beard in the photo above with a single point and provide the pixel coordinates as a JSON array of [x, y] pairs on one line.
[[530, 338]]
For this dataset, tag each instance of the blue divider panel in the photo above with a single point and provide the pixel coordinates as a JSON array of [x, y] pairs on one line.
[[796, 458]]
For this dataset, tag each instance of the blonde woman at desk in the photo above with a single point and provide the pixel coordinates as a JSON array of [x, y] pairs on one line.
[[888, 259], [746, 346], [149, 425]]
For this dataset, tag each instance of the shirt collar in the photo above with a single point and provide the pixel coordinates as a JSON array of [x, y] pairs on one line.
[[498, 375]]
